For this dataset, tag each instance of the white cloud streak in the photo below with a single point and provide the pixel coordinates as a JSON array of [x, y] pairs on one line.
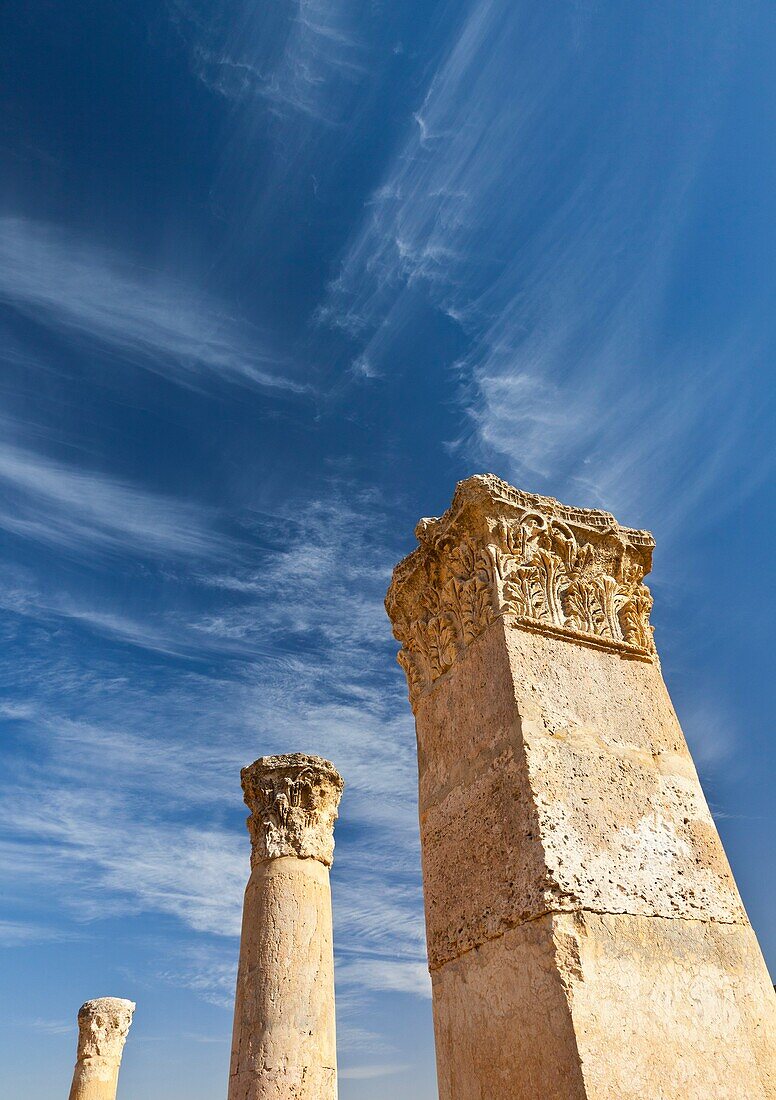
[[17, 933], [88, 294], [73, 508], [369, 1073], [300, 77], [560, 291], [300, 57], [154, 837]]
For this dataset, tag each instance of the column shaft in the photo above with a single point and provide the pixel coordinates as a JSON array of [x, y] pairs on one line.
[[284, 1042]]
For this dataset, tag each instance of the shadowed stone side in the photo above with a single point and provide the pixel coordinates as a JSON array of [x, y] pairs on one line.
[[585, 935], [284, 1040], [103, 1025]]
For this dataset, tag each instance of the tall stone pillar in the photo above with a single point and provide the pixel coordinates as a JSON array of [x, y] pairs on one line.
[[585, 936], [102, 1031], [284, 1044]]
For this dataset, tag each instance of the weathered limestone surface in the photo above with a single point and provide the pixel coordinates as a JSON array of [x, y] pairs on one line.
[[284, 1040], [571, 1006], [102, 1031], [585, 934]]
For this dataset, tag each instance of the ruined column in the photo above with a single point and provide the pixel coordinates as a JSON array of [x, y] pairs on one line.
[[102, 1031], [585, 936], [284, 1044]]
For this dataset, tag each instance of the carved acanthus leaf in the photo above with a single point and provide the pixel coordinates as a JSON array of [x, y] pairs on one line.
[[498, 551], [293, 801]]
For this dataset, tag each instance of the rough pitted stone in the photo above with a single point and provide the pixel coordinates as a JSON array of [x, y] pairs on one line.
[[284, 1040], [103, 1025], [586, 938]]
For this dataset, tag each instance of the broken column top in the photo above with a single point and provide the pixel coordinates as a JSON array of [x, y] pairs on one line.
[[542, 565], [102, 1027], [293, 801]]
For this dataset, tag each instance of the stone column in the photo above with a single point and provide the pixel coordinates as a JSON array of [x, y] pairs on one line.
[[102, 1031], [585, 936], [284, 1044]]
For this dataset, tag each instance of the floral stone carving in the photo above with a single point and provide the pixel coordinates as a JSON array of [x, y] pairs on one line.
[[499, 552], [293, 801]]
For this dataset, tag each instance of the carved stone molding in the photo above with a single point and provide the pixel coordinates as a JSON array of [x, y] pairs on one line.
[[500, 552], [293, 801], [103, 1025]]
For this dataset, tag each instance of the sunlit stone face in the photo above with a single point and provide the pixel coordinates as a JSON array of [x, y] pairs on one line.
[[575, 885]]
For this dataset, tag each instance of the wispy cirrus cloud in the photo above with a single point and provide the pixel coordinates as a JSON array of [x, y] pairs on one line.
[[197, 875], [567, 382], [154, 838], [71, 507], [86, 293], [51, 1027], [299, 56], [300, 78], [389, 975], [369, 1073], [165, 633], [20, 933]]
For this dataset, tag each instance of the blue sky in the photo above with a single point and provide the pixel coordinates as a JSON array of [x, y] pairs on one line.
[[272, 278]]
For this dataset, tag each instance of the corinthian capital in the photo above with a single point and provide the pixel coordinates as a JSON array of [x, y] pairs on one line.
[[293, 801], [500, 553]]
